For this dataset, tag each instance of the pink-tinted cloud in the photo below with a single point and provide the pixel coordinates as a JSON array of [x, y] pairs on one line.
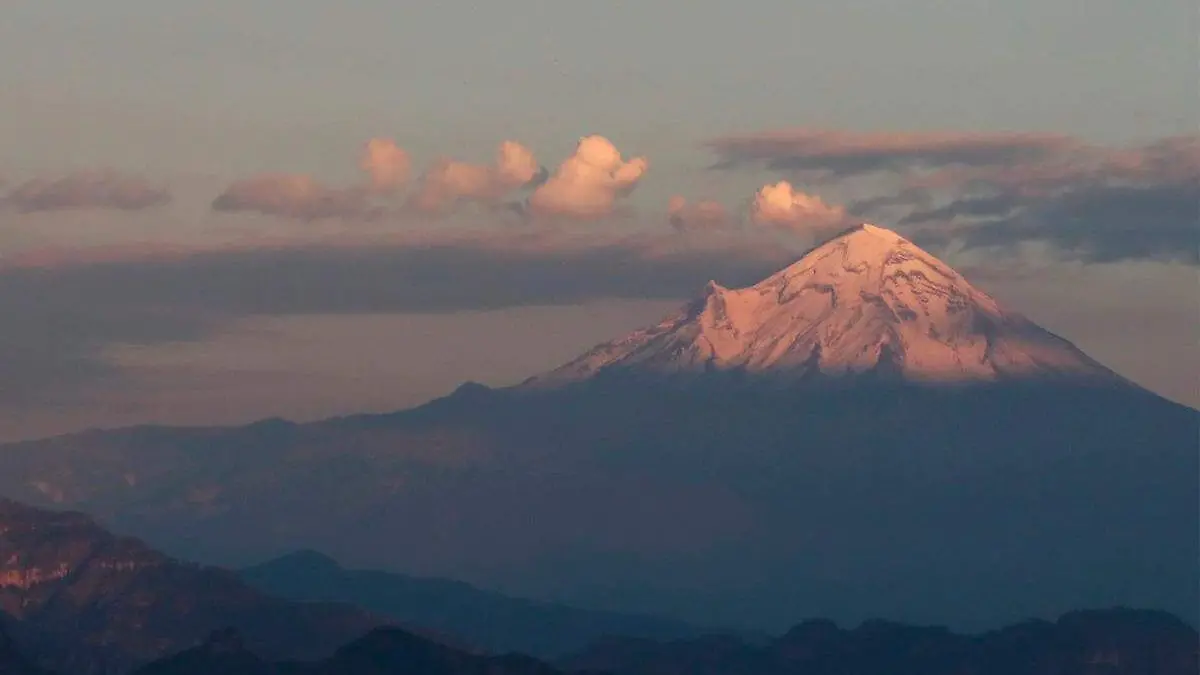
[[87, 190], [296, 196], [783, 206], [843, 153], [1169, 160], [386, 164], [702, 215], [589, 182], [449, 181]]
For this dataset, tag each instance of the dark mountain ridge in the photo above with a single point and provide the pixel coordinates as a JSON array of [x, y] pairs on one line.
[[1105, 642], [491, 621], [385, 651]]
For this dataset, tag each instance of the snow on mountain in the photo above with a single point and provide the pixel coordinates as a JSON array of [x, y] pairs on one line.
[[866, 301]]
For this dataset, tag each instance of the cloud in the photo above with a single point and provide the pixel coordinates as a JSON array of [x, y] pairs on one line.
[[515, 165], [1100, 206], [1092, 224], [999, 191], [386, 165], [289, 195], [1174, 160], [296, 196], [449, 181], [906, 199], [843, 153], [703, 215], [60, 315], [86, 190], [589, 182], [784, 206]]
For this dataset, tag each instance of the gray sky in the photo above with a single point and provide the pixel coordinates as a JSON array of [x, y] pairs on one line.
[[1051, 145]]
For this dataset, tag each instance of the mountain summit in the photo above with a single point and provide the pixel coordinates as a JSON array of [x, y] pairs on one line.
[[866, 301]]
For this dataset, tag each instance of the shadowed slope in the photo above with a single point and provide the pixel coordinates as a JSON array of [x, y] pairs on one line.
[[381, 652], [1111, 642], [12, 661], [491, 621], [96, 602]]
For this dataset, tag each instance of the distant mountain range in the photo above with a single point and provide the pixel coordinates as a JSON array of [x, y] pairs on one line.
[[1111, 642], [382, 652], [864, 433], [490, 621], [89, 602]]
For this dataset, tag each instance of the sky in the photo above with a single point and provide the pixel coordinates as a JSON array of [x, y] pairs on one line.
[[195, 226]]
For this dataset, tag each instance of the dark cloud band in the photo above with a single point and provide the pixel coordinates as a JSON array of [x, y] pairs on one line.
[[86, 190], [997, 191], [59, 319]]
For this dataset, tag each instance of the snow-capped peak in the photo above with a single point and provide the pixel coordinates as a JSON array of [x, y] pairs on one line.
[[867, 300]]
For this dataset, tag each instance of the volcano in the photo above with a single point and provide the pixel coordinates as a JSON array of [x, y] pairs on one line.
[[863, 433], [866, 301]]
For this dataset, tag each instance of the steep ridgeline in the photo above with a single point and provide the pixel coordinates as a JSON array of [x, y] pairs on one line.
[[862, 434], [866, 301], [1111, 642], [92, 602]]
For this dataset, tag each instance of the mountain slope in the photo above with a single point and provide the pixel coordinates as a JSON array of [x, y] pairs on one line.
[[492, 621], [12, 661], [770, 484], [865, 301], [1110, 642], [96, 602], [381, 652]]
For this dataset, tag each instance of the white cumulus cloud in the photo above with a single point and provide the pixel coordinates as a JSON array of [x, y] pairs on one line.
[[589, 182], [782, 205]]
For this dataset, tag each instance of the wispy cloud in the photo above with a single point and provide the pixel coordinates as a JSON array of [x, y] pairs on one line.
[[702, 215], [86, 190], [296, 196], [999, 191], [843, 153], [1099, 206]]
